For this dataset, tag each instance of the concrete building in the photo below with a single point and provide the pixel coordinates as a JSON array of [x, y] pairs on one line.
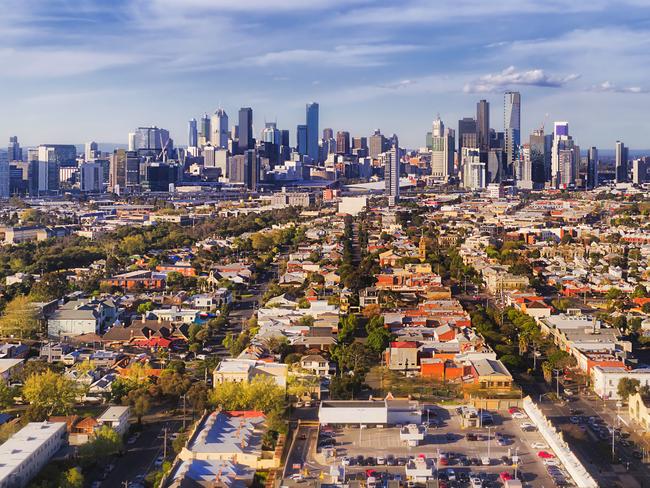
[[116, 417], [244, 370], [391, 175], [78, 317], [26, 452], [442, 150], [512, 125], [621, 162], [605, 379], [91, 177], [369, 412]]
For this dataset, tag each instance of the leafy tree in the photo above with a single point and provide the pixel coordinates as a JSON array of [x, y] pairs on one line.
[[173, 384], [371, 311], [140, 402], [345, 387], [197, 396], [48, 394], [352, 357], [378, 339], [105, 443], [627, 387], [145, 307], [7, 394], [261, 393], [640, 292], [613, 294], [51, 286], [19, 318], [646, 307]]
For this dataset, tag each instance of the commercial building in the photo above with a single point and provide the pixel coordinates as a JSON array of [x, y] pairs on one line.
[[592, 168], [115, 417], [219, 128], [91, 177], [192, 133], [312, 130], [391, 175], [28, 451], [442, 150], [369, 412], [565, 157], [621, 162], [245, 129]]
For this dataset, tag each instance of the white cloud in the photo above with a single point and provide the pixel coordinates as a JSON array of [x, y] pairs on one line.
[[510, 77], [607, 86], [344, 55]]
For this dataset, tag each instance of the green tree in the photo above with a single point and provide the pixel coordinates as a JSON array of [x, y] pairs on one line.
[[19, 318], [140, 402], [378, 339], [72, 478], [173, 384], [627, 387], [7, 394], [49, 393], [105, 442], [51, 286], [145, 307], [261, 393]]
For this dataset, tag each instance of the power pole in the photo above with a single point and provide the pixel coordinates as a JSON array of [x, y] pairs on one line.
[[164, 442]]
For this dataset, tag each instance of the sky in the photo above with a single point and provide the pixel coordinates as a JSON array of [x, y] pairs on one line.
[[80, 70]]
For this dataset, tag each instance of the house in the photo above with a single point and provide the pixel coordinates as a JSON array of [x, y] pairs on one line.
[[317, 364], [491, 374], [10, 350], [115, 417], [54, 352], [402, 356], [9, 368], [244, 370], [28, 451], [206, 473], [78, 317]]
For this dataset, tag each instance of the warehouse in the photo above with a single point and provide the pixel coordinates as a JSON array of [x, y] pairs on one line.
[[369, 412]]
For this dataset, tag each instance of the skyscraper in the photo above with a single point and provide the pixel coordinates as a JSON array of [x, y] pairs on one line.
[[621, 162], [204, 130], [219, 129], [565, 155], [328, 133], [473, 169], [245, 129], [540, 157], [131, 141], [483, 125], [391, 175], [442, 150], [301, 139], [124, 171], [376, 144], [91, 151], [467, 134], [192, 133], [4, 179], [592, 168], [312, 130], [343, 142], [512, 125], [640, 171], [14, 151]]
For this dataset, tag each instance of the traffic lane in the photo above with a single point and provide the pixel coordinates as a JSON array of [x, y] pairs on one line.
[[299, 456], [138, 457]]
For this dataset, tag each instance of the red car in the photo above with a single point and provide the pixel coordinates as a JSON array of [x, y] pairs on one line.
[[545, 455], [512, 410], [505, 476]]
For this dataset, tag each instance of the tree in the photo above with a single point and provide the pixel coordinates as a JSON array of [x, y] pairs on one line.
[[19, 318], [627, 387], [105, 443], [261, 393], [351, 357], [613, 294], [371, 311], [48, 394], [378, 339], [345, 387], [51, 286], [173, 384], [640, 292], [140, 402], [72, 478], [7, 394], [197, 396], [145, 307]]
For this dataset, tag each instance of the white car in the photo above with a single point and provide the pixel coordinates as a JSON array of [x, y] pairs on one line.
[[345, 461], [528, 426], [475, 482], [551, 462], [297, 477], [539, 445], [381, 460], [519, 415], [485, 461], [159, 461]]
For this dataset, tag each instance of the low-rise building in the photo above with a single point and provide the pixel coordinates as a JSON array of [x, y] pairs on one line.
[[115, 417], [244, 370], [605, 380], [28, 450]]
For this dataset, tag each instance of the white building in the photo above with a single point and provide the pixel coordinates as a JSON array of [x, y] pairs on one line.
[[369, 412], [605, 379], [91, 177], [80, 317], [28, 450], [116, 417]]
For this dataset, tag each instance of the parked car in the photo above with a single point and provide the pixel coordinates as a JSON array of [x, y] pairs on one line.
[[159, 462]]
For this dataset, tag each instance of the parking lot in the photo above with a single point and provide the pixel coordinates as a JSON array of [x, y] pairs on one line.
[[449, 446]]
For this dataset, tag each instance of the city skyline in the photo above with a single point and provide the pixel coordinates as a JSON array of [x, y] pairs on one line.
[[186, 58]]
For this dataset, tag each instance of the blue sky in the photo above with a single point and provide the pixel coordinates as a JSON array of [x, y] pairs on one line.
[[94, 69]]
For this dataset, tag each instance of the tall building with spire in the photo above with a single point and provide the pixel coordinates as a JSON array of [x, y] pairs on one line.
[[565, 156], [512, 125]]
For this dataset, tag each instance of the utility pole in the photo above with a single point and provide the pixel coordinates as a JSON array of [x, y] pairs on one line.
[[184, 396], [164, 442]]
